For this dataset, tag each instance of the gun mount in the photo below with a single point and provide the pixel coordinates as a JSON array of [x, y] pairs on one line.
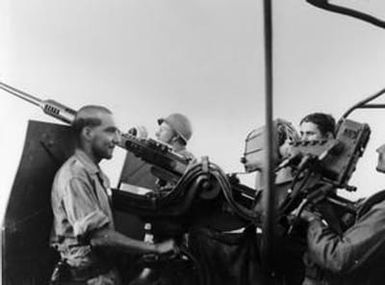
[[322, 167], [335, 159], [204, 179]]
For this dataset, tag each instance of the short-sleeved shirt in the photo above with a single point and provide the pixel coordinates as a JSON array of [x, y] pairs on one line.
[[80, 204]]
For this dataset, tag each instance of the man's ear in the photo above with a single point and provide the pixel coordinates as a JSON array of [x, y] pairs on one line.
[[87, 133]]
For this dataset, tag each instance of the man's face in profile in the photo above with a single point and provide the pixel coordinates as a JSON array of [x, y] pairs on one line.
[[105, 137], [165, 133]]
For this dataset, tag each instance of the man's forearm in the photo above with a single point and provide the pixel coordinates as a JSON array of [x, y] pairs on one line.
[[324, 247], [114, 239], [358, 245]]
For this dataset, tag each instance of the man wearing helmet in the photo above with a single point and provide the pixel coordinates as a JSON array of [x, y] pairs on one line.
[[175, 130]]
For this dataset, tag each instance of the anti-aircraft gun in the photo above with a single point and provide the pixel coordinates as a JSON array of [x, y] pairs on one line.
[[319, 167], [204, 179], [54, 143], [167, 165], [326, 162]]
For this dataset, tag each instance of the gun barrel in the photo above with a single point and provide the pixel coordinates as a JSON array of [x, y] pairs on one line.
[[58, 111], [21, 94], [50, 107]]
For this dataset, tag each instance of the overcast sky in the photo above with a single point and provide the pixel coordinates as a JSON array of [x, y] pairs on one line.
[[204, 58]]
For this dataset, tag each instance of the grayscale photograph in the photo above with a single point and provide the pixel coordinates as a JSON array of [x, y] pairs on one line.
[[215, 142]]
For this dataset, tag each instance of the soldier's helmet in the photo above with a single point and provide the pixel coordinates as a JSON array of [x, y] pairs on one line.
[[181, 125]]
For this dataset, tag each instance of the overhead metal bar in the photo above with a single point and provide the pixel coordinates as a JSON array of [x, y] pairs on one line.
[[362, 103], [327, 5], [372, 106]]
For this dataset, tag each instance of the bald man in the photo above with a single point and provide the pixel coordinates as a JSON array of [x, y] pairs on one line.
[[83, 229]]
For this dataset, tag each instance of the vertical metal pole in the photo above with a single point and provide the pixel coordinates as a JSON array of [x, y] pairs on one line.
[[269, 197]]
